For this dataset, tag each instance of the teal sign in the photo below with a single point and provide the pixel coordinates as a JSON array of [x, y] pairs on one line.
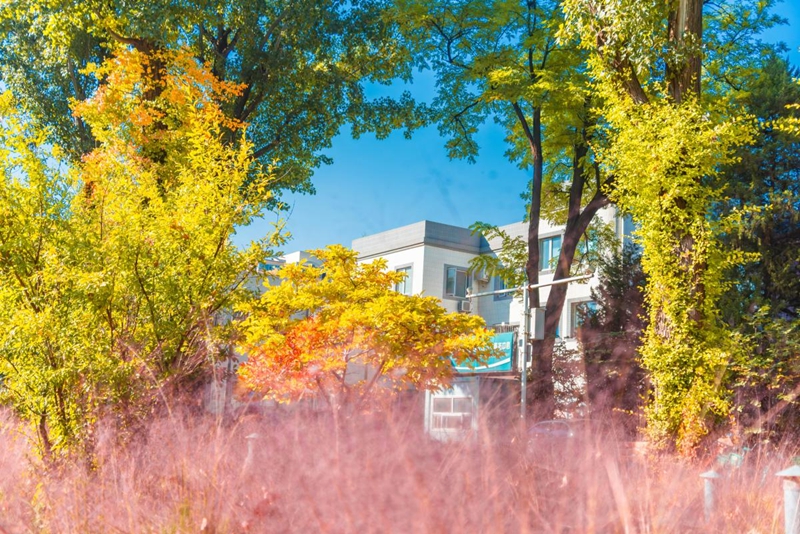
[[504, 344]]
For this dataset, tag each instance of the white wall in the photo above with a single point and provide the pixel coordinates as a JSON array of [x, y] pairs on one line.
[[434, 272], [403, 258]]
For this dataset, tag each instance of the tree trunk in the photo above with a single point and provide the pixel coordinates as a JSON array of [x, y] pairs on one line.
[[685, 28], [541, 382], [532, 266], [541, 386], [541, 390], [44, 436]]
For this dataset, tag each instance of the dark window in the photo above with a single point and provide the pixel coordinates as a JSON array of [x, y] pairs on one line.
[[578, 312], [456, 282]]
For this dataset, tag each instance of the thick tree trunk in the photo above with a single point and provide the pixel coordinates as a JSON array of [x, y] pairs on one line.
[[541, 386], [685, 28]]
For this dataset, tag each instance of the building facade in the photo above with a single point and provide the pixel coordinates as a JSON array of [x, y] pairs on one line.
[[436, 258]]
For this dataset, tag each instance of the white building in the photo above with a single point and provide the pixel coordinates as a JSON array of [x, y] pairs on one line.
[[436, 258]]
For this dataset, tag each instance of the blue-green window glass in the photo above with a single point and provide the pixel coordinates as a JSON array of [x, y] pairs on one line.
[[499, 285], [456, 281], [549, 250]]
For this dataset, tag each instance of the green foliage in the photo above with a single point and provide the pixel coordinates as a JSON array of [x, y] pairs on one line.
[[668, 136], [686, 347], [341, 332], [303, 65], [735, 54], [500, 61], [762, 205], [789, 122], [489, 57], [633, 47], [596, 243], [114, 272], [509, 263]]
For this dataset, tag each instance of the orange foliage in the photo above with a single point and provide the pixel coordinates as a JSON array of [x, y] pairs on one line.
[[149, 102], [341, 332]]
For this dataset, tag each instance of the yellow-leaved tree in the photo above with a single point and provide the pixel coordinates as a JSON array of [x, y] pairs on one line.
[[340, 332], [114, 271], [668, 73]]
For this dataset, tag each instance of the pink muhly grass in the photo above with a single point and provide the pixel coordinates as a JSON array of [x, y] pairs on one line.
[[370, 474]]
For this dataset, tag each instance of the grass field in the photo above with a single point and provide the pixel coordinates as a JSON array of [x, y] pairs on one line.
[[370, 475]]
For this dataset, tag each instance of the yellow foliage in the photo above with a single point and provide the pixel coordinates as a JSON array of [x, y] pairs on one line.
[[341, 332], [114, 272]]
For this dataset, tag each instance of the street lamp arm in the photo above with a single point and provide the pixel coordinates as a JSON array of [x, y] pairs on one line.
[[532, 286]]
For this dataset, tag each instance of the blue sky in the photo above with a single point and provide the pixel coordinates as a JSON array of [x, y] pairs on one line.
[[375, 185]]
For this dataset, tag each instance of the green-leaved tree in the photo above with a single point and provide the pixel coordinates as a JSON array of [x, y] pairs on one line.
[[303, 65], [501, 61]]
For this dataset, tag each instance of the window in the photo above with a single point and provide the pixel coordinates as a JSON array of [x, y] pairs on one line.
[[578, 313], [267, 267], [549, 250], [456, 282], [452, 413], [404, 287], [500, 284]]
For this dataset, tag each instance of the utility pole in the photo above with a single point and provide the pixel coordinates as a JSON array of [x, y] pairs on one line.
[[525, 329]]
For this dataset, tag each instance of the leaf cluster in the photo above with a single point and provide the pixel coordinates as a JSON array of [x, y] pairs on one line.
[[760, 216], [509, 263], [116, 272], [341, 332], [304, 67], [488, 57]]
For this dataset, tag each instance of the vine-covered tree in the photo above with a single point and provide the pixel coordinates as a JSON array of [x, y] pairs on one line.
[[668, 136]]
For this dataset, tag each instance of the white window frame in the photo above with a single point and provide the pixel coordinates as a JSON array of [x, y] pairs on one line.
[[552, 259], [405, 287], [467, 282], [573, 314], [458, 421]]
